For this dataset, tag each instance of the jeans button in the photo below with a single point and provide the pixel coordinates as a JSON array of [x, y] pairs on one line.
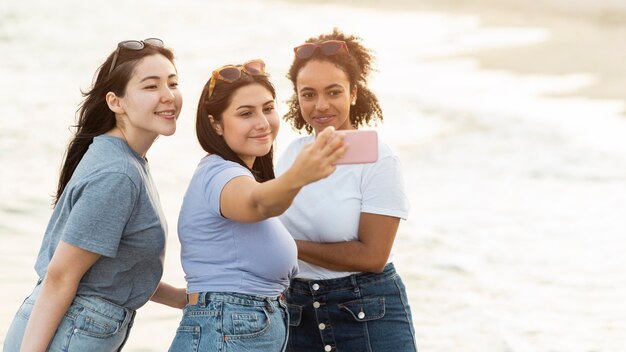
[[322, 326], [327, 348], [361, 315], [315, 287], [316, 305]]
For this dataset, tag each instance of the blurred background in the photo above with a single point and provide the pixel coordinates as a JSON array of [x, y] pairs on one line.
[[508, 117]]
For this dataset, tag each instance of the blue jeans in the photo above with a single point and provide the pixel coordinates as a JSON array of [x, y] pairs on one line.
[[362, 312], [233, 322], [90, 324]]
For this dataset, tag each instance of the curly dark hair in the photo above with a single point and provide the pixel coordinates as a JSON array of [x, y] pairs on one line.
[[357, 65]]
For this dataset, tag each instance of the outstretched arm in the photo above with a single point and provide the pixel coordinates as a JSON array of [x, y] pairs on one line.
[[245, 200], [367, 254]]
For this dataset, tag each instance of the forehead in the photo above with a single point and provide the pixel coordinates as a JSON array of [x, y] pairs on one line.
[[316, 72], [153, 65], [250, 94]]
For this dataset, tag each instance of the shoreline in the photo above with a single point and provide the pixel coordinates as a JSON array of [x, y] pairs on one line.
[[585, 38]]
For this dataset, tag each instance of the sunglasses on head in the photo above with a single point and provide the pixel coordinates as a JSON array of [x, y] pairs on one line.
[[134, 45], [329, 47], [231, 73]]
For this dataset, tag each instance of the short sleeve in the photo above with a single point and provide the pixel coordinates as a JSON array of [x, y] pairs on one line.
[[383, 188], [216, 177], [102, 206]]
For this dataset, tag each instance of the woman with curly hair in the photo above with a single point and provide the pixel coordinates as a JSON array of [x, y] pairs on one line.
[[347, 295]]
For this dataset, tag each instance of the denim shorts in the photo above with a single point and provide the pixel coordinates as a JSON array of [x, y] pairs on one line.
[[90, 324], [232, 322], [362, 312]]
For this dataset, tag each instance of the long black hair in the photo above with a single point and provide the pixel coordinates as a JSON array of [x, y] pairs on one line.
[[94, 116]]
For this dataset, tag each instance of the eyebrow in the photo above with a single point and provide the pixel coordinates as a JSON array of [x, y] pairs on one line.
[[332, 86], [252, 106], [156, 77]]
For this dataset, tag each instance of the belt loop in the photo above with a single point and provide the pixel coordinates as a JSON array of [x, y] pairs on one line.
[[202, 299], [355, 284], [268, 304]]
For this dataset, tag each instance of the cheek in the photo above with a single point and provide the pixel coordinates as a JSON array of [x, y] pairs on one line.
[[274, 121], [305, 108]]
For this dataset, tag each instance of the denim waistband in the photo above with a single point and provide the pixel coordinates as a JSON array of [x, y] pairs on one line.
[[236, 298], [349, 282], [97, 304]]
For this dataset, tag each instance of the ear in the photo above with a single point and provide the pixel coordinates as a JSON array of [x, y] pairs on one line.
[[216, 125], [114, 103], [353, 92]]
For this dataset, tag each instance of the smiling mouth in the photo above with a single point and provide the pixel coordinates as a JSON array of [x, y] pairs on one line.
[[262, 136], [168, 114], [322, 119]]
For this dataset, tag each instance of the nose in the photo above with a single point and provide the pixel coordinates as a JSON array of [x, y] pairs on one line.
[[262, 123], [321, 104], [167, 95]]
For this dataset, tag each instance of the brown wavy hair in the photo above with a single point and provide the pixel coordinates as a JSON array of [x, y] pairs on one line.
[[211, 141], [357, 65]]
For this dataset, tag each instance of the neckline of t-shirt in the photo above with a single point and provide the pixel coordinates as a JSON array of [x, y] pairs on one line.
[[124, 144]]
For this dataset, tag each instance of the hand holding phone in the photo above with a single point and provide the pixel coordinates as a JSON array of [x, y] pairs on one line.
[[362, 146]]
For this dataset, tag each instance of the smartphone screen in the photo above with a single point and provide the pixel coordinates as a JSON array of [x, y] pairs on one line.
[[362, 146]]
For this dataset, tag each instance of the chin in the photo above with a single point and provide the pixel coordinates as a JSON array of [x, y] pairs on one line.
[[169, 132]]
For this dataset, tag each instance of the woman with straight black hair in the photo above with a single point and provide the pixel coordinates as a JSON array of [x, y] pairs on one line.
[[102, 253]]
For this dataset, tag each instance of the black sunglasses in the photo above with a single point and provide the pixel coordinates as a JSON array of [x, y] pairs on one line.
[[134, 45]]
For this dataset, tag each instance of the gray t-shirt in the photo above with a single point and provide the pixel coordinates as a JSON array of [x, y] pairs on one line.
[[111, 207]]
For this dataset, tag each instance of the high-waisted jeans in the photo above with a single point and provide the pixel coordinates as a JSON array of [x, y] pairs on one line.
[[232, 322], [90, 324], [357, 313]]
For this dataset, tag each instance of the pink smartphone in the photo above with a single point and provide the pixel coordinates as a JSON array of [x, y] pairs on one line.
[[362, 147]]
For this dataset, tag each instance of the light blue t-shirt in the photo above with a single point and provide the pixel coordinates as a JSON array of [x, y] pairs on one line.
[[111, 207], [222, 255]]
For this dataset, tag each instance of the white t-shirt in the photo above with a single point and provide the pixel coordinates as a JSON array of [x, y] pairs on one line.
[[329, 210]]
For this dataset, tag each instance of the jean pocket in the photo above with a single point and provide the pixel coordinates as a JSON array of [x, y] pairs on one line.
[[295, 314], [187, 339], [248, 322], [91, 323], [365, 309]]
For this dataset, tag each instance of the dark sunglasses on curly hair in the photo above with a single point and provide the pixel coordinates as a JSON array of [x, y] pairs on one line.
[[328, 48], [231, 73], [134, 45]]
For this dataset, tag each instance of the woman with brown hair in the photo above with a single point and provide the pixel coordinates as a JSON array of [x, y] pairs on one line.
[[237, 257]]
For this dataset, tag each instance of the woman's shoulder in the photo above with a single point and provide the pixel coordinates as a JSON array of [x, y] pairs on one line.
[[384, 150], [213, 164], [107, 155], [299, 142]]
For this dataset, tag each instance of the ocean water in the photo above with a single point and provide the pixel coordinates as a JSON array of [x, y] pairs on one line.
[[515, 240]]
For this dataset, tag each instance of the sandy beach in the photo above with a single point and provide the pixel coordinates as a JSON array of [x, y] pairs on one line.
[[508, 117]]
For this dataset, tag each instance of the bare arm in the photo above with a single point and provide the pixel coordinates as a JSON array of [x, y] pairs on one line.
[[170, 296], [245, 200], [367, 254], [67, 267]]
